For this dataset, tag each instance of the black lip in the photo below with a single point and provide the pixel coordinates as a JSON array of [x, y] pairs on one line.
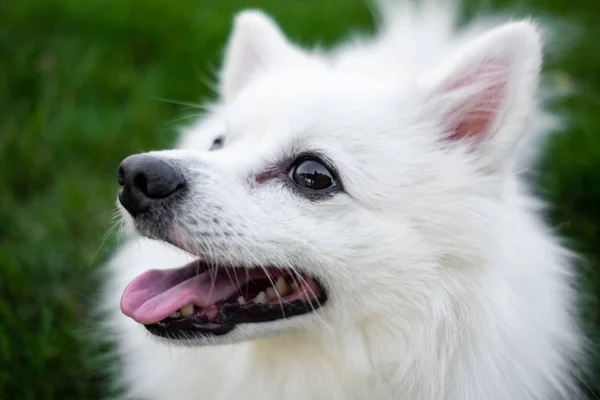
[[231, 315]]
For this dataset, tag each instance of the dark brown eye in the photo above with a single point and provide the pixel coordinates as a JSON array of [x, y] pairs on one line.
[[217, 143], [312, 175]]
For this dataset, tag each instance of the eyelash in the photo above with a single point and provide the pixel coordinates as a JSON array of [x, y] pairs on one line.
[[219, 142]]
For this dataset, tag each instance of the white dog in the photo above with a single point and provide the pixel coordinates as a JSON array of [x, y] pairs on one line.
[[358, 231]]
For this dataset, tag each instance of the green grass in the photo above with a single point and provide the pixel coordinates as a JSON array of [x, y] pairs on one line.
[[79, 82]]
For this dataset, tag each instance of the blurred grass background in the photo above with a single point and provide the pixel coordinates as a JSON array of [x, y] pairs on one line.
[[80, 82]]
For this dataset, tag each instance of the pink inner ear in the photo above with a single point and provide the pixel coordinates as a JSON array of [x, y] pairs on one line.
[[474, 112]]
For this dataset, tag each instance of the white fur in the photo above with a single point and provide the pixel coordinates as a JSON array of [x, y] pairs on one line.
[[443, 281]]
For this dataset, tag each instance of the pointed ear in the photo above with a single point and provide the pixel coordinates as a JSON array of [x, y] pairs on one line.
[[256, 42], [485, 96]]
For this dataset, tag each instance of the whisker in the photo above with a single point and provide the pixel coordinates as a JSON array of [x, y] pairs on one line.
[[313, 294], [176, 102], [115, 225], [184, 118]]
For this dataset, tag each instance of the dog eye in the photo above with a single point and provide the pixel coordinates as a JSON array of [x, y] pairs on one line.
[[217, 143], [311, 174]]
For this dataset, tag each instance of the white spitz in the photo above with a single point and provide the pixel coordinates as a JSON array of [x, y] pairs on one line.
[[359, 229]]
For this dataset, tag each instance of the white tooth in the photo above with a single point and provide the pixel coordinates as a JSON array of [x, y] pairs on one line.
[[176, 314], [271, 293], [282, 286], [241, 300], [294, 286], [261, 298], [187, 310]]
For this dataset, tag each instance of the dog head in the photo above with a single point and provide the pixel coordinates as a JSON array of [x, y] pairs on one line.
[[330, 196]]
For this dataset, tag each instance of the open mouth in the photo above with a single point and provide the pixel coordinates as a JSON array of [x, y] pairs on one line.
[[196, 300]]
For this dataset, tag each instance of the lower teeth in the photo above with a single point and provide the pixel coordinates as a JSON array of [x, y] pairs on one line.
[[261, 298]]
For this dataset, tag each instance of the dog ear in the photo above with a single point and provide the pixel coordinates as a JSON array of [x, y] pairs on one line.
[[486, 94], [255, 43]]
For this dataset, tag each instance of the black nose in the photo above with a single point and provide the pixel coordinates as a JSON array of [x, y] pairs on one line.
[[146, 179]]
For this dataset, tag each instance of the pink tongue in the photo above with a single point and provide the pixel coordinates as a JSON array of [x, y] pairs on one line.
[[156, 294]]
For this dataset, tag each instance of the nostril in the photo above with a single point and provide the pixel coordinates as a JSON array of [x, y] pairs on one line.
[[160, 188], [157, 179], [121, 176], [141, 183]]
